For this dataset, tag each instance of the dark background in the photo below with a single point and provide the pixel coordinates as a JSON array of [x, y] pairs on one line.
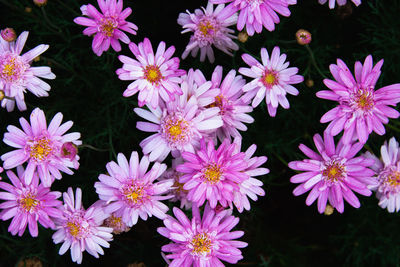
[[280, 229]]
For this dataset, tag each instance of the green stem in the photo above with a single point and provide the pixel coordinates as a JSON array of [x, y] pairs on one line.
[[93, 148], [314, 62]]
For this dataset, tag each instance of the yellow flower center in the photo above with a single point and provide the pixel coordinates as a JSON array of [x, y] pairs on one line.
[[29, 202], [108, 26], [365, 102], [206, 28], [393, 179], [334, 172], [134, 194], [73, 228], [269, 79], [9, 69], [152, 74], [201, 244], [40, 149], [213, 173]]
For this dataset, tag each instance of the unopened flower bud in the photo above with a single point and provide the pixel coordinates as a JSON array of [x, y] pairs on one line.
[[40, 3], [328, 210], [28, 9], [309, 83], [2, 95], [243, 36], [36, 59], [8, 34], [303, 37], [30, 262], [69, 150]]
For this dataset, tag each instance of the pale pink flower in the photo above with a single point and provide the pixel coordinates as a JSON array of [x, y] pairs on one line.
[[130, 191], [333, 174], [272, 80], [17, 75], [178, 125], [108, 26], [210, 28], [81, 229], [213, 175], [203, 241], [28, 204], [387, 170], [339, 2], [361, 109], [254, 14], [155, 75], [40, 146], [115, 222]]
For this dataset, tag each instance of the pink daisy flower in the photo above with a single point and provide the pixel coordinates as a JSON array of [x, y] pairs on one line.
[[28, 204], [339, 2], [202, 241], [40, 146], [257, 13], [362, 109], [211, 174], [251, 187], [17, 75], [81, 229], [154, 76], [130, 191], [232, 108], [272, 80], [178, 125], [116, 223], [108, 26], [333, 174], [387, 171], [210, 28]]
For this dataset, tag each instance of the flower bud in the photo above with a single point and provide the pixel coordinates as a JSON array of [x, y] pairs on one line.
[[40, 3], [69, 150], [309, 83], [243, 36], [28, 9], [8, 34], [328, 210], [2, 95], [303, 37]]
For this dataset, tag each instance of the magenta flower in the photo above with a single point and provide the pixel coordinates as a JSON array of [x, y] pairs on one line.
[[178, 125], [28, 204], [333, 174], [108, 26], [17, 75], [257, 13], [40, 146], [130, 191], [272, 80], [154, 76], [81, 229], [387, 170], [211, 174], [210, 28], [362, 109], [339, 2], [202, 241], [8, 34]]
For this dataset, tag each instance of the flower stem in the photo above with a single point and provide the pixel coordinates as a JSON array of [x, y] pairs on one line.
[[314, 62]]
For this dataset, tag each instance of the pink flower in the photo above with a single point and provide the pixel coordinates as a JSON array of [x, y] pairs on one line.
[[115, 222], [81, 229], [272, 80], [28, 204], [108, 26], [209, 27], [362, 109], [211, 174], [333, 174], [255, 14], [178, 125], [130, 191], [40, 146], [154, 76], [339, 2], [17, 75], [232, 108], [387, 171], [202, 241], [251, 187]]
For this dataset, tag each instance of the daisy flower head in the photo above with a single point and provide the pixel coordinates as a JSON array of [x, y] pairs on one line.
[[17, 75], [210, 28], [388, 176], [202, 241], [28, 204], [178, 126], [155, 75], [361, 109], [255, 14], [108, 26], [41, 146], [81, 229], [129, 189], [116, 223], [332, 174], [211, 174], [251, 187], [272, 79], [331, 3], [176, 190]]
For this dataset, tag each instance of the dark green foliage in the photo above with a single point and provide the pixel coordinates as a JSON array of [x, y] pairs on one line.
[[280, 229]]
